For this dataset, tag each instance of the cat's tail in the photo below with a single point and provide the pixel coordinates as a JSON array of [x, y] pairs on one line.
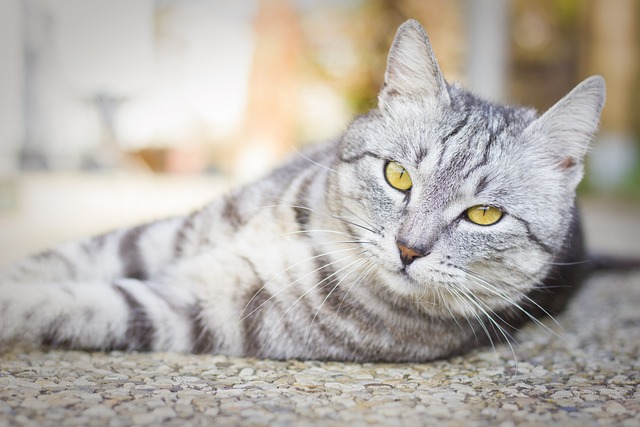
[[608, 263]]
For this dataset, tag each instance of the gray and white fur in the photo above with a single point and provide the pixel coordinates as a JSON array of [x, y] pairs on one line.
[[306, 262]]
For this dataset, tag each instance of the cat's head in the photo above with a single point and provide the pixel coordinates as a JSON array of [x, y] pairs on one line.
[[461, 196]]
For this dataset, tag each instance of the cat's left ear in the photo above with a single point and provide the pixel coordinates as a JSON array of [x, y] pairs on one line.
[[412, 68], [566, 129]]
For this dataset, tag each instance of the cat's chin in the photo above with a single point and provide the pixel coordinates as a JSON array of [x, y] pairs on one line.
[[427, 293], [402, 283], [414, 281], [439, 296]]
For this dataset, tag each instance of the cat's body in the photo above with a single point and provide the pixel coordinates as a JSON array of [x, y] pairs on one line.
[[332, 256]]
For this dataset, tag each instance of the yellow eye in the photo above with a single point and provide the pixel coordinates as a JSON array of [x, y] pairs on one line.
[[484, 215], [397, 176]]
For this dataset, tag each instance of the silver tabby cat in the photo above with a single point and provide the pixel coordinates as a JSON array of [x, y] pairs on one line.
[[436, 223]]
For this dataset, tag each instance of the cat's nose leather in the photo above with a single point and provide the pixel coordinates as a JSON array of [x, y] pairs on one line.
[[408, 255]]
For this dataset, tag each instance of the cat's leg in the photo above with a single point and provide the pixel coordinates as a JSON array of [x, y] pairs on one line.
[[99, 292], [124, 314], [196, 305]]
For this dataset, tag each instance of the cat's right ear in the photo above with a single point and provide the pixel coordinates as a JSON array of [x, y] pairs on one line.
[[412, 68], [571, 123], [565, 130]]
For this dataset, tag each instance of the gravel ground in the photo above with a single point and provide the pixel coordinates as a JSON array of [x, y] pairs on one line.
[[585, 373]]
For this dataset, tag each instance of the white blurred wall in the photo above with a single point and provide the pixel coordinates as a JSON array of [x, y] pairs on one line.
[[173, 72], [11, 85], [203, 53]]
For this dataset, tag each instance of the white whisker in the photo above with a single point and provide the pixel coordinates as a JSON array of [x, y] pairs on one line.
[[486, 285], [298, 152], [475, 301], [360, 242], [462, 300], [361, 278], [357, 264], [325, 214], [290, 233], [454, 317], [243, 317], [273, 328], [342, 205]]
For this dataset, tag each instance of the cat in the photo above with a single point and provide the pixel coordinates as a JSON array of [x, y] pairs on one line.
[[436, 223]]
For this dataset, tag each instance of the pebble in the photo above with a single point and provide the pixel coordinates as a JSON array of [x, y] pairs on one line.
[[144, 418], [99, 412], [464, 389], [246, 372], [563, 394], [164, 413], [84, 381], [614, 407]]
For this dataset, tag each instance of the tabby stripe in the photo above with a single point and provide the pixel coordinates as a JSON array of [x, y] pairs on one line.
[[231, 213], [188, 224], [421, 154], [204, 341], [254, 303], [132, 260], [256, 298], [336, 301], [327, 280], [535, 238], [482, 184], [95, 244], [485, 157], [456, 130], [360, 156], [487, 148], [252, 267], [54, 254], [140, 329], [324, 269], [52, 337], [302, 213]]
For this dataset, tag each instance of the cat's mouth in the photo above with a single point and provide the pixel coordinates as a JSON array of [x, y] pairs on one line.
[[453, 290], [437, 281]]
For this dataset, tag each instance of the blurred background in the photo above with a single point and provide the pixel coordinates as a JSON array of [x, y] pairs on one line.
[[119, 111]]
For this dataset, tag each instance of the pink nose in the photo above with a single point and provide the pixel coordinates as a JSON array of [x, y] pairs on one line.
[[407, 254]]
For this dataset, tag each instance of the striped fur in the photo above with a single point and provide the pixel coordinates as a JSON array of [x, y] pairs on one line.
[[305, 263]]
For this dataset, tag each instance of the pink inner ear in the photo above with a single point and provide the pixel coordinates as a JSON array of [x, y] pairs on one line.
[[568, 163]]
